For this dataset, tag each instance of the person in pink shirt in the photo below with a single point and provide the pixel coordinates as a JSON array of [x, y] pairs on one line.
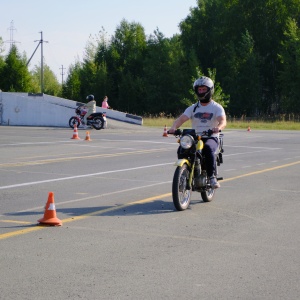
[[105, 103]]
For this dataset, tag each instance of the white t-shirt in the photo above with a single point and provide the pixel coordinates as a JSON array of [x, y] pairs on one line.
[[91, 106], [204, 117]]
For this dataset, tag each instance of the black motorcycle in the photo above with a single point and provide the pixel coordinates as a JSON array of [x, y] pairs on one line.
[[190, 174], [96, 120]]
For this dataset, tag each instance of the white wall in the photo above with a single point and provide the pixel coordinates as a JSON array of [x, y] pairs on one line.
[[44, 110]]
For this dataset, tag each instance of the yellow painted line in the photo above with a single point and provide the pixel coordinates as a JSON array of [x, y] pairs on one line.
[[99, 212], [20, 232], [55, 160], [261, 171], [147, 200], [103, 211], [13, 221]]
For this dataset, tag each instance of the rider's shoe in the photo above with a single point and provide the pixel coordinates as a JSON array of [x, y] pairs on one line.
[[214, 183]]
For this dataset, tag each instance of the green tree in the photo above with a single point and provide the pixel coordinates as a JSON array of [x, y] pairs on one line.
[[1, 46], [103, 84], [2, 63], [51, 84], [241, 39], [167, 75], [15, 75], [248, 46], [239, 68], [218, 96], [125, 66], [72, 86], [289, 76], [88, 71], [89, 76]]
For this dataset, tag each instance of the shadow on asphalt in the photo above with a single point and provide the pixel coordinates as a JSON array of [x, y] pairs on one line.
[[150, 208]]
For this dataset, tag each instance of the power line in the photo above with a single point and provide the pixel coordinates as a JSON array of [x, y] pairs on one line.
[[11, 29]]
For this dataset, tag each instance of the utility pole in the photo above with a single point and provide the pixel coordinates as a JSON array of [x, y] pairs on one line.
[[42, 61], [62, 74], [41, 41]]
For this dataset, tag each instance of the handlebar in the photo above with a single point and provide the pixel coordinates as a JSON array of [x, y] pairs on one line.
[[209, 132], [178, 132]]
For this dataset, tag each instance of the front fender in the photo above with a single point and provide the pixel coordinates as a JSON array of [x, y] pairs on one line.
[[181, 162]]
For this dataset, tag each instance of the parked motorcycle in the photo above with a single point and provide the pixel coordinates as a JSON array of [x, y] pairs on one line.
[[190, 174], [96, 120]]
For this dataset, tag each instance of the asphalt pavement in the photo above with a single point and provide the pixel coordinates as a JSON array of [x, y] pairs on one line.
[[121, 237]]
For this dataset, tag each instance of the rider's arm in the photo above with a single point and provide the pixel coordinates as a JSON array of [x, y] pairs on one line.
[[89, 105], [178, 122], [222, 123]]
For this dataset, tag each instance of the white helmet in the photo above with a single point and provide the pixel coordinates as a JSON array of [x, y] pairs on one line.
[[204, 81]]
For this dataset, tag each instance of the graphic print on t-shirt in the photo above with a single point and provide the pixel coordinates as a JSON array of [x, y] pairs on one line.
[[203, 117]]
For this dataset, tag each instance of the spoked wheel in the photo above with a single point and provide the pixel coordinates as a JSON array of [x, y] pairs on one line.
[[98, 123], [73, 121], [181, 195], [208, 195]]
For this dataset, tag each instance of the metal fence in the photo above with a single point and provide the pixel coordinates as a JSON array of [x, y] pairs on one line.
[[270, 119]]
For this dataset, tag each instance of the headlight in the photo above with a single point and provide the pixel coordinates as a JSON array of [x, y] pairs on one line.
[[186, 141]]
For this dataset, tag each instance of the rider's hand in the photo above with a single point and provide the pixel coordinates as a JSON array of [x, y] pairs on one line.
[[215, 130], [171, 130]]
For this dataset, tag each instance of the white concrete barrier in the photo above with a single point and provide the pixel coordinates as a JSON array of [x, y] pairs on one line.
[[44, 110]]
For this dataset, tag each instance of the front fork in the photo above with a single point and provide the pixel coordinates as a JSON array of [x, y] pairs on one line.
[[180, 163]]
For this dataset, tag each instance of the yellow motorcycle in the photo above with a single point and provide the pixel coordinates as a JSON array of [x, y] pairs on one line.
[[190, 174]]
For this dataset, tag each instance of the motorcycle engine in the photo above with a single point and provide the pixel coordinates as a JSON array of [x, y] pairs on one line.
[[200, 181]]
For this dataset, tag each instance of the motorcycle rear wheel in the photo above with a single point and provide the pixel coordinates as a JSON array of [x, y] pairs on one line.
[[73, 121], [181, 195], [208, 195], [98, 123]]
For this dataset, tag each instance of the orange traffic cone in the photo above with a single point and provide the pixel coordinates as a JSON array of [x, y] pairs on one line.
[[75, 134], [249, 129], [50, 213], [165, 131], [87, 138]]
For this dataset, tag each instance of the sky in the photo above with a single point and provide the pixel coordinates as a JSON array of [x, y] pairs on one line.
[[68, 24]]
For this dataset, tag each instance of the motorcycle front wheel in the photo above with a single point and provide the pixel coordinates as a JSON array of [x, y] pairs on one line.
[[73, 121], [181, 195], [98, 123]]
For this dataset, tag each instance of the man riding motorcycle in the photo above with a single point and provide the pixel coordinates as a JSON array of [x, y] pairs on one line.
[[205, 114], [91, 108]]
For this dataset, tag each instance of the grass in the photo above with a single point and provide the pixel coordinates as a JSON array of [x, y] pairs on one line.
[[277, 125]]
